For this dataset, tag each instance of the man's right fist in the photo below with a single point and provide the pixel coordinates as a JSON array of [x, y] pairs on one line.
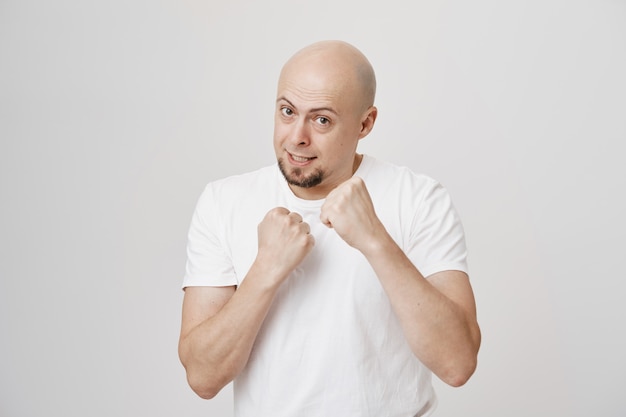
[[284, 241]]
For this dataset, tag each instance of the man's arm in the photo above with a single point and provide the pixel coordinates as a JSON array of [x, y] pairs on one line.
[[438, 314], [220, 324]]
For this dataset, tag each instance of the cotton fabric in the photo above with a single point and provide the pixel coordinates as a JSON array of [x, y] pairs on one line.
[[331, 344]]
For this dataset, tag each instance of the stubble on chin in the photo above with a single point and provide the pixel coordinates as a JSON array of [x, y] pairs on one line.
[[296, 178]]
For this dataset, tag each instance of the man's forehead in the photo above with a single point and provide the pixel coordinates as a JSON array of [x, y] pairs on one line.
[[312, 94], [323, 88]]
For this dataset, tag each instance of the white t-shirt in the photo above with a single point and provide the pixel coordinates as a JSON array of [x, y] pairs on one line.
[[330, 344]]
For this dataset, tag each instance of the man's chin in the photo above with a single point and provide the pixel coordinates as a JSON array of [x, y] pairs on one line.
[[296, 178], [305, 183]]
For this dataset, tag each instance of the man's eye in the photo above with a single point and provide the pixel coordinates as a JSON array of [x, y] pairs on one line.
[[323, 120], [286, 111]]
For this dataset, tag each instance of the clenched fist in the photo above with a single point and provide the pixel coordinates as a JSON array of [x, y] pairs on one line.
[[284, 241], [349, 210]]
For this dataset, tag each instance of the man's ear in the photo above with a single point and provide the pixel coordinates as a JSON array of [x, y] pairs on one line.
[[367, 122]]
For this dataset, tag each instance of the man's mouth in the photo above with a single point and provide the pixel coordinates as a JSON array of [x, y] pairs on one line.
[[300, 159]]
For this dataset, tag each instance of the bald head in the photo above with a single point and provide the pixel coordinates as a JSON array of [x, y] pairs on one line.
[[324, 107], [338, 61]]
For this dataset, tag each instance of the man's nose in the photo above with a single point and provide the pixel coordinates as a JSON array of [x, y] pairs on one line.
[[300, 134]]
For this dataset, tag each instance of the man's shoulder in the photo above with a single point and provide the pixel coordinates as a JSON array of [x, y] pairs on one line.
[[245, 191], [379, 170]]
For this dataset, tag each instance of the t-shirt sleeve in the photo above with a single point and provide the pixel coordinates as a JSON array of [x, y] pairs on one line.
[[437, 240], [208, 261]]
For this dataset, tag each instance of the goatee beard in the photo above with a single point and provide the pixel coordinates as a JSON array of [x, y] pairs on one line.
[[293, 178]]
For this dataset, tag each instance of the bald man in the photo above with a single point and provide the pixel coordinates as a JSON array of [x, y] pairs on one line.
[[330, 283]]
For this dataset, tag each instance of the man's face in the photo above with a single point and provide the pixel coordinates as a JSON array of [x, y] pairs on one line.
[[317, 126]]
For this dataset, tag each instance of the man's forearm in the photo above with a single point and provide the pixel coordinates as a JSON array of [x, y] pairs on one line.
[[216, 350], [438, 319]]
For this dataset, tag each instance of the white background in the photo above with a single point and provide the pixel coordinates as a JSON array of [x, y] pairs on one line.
[[114, 115]]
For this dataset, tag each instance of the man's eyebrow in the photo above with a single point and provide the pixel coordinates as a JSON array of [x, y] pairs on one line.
[[315, 110]]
